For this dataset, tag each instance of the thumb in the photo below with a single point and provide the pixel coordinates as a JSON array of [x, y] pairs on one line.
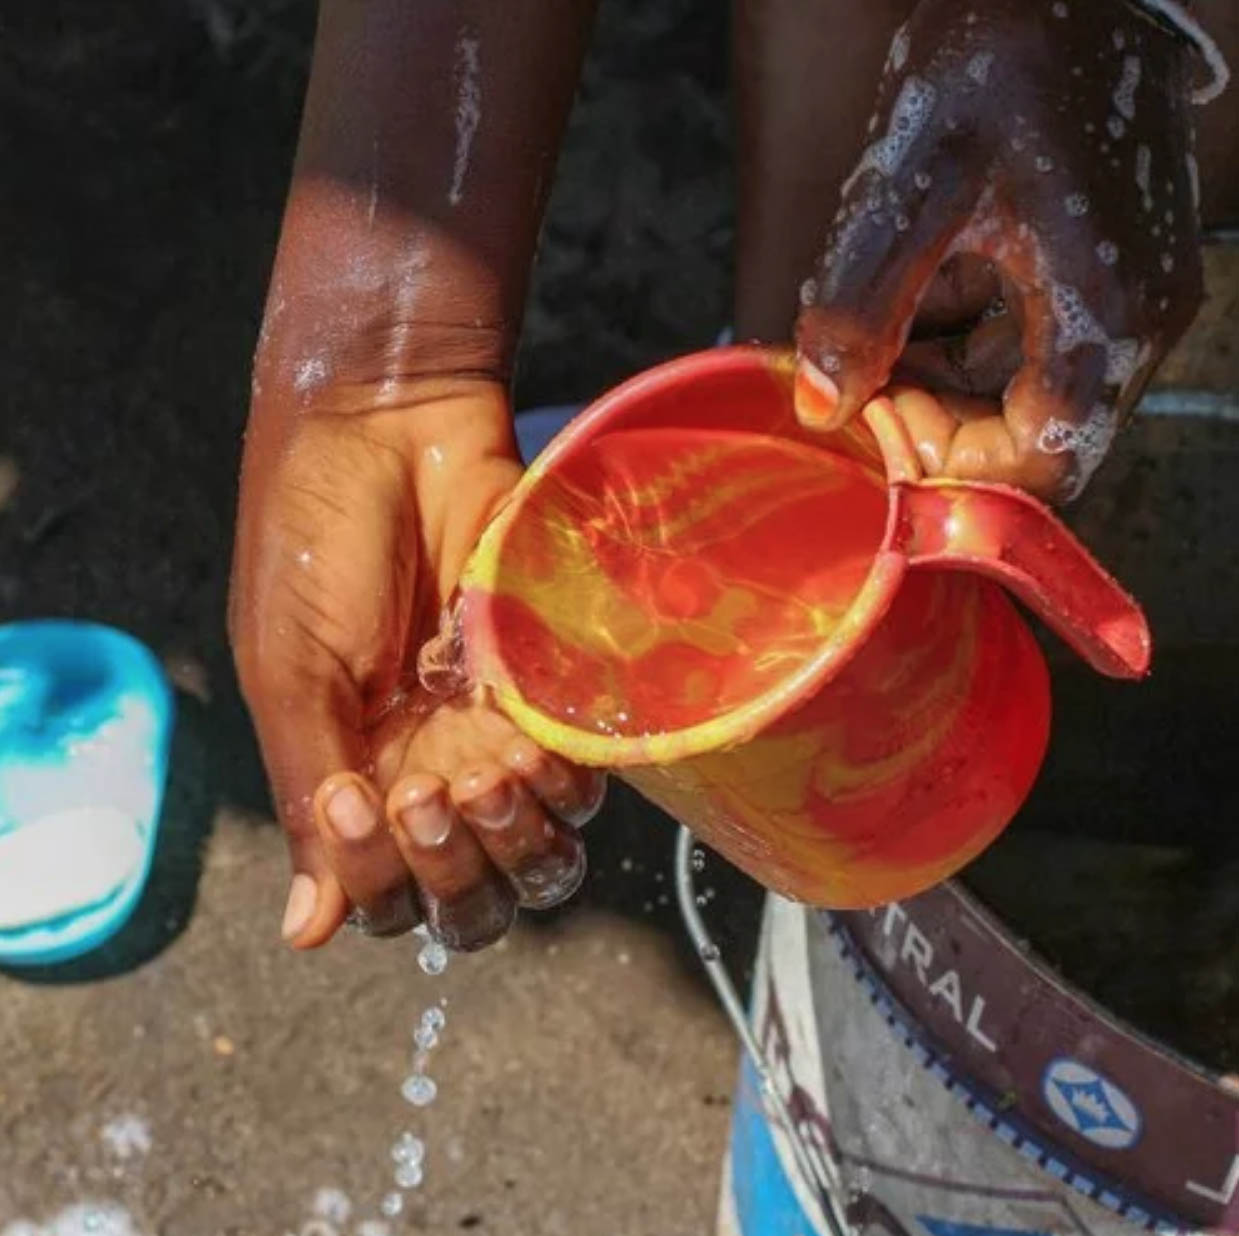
[[307, 716], [911, 196]]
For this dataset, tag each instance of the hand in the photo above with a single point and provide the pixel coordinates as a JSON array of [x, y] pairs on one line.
[[1020, 237], [354, 525]]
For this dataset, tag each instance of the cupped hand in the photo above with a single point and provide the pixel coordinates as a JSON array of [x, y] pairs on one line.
[[1019, 238], [398, 805]]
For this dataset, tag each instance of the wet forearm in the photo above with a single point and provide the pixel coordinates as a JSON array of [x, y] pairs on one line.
[[428, 143]]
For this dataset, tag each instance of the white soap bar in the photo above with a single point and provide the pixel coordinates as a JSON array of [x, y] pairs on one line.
[[65, 862]]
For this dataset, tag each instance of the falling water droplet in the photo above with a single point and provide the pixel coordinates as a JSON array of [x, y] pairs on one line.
[[392, 1204], [709, 952], [699, 860], [408, 1175], [419, 1089], [432, 958], [408, 1149]]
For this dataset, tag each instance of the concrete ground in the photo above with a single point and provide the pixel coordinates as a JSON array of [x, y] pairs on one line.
[[222, 1087]]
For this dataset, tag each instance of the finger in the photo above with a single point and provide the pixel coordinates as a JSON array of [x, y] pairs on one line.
[[952, 440], [572, 794], [467, 902], [1081, 364], [544, 860], [911, 196], [302, 712], [363, 854]]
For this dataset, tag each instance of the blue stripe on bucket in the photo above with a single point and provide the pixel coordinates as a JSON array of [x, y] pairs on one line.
[[949, 1227], [766, 1204]]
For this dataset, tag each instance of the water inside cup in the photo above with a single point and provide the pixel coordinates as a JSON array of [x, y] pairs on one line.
[[657, 578]]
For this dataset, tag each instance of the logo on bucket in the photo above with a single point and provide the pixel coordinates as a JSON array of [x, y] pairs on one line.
[[1090, 1105]]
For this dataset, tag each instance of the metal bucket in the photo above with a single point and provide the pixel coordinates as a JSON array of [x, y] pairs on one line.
[[919, 1070]]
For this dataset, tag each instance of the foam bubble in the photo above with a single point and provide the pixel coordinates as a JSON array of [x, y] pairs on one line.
[[1089, 442], [1124, 96], [1077, 327], [979, 66], [913, 107], [1076, 205], [1144, 165], [1122, 357], [900, 45], [1108, 252]]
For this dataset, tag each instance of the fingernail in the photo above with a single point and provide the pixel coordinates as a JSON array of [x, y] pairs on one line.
[[550, 879], [595, 796], [427, 824], [302, 898], [474, 919], [816, 395], [350, 814], [496, 808]]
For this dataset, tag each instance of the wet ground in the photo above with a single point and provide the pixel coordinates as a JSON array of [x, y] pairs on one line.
[[200, 1077]]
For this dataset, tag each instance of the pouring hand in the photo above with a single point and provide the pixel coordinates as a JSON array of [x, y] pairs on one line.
[[1020, 237]]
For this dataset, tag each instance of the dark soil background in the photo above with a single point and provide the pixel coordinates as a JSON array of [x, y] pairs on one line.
[[146, 147]]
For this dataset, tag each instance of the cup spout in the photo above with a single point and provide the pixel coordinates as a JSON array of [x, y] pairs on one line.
[[1005, 534]]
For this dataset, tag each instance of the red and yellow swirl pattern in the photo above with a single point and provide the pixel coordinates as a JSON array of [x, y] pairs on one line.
[[691, 589]]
